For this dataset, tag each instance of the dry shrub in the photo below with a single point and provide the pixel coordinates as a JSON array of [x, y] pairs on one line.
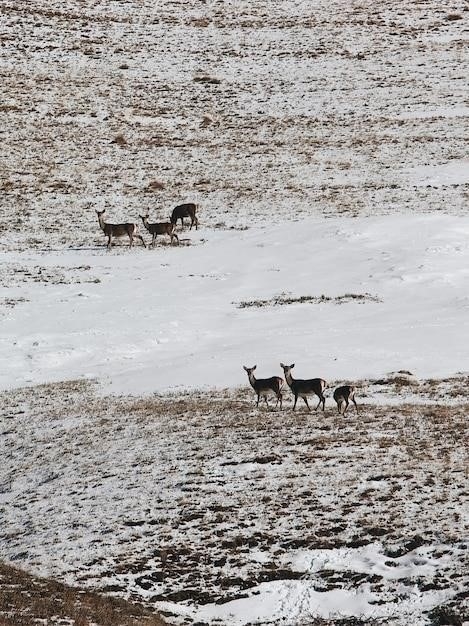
[[200, 22], [204, 78], [155, 185], [120, 140]]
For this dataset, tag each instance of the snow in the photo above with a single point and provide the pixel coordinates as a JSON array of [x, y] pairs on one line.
[[169, 318], [452, 173], [282, 600], [335, 165]]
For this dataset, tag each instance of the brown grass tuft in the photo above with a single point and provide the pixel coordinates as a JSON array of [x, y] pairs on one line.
[[25, 599]]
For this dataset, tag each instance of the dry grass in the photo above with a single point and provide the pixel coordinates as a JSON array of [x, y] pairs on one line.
[[284, 299], [26, 599], [263, 107], [201, 479]]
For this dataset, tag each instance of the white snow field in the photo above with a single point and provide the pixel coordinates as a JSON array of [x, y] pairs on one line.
[[326, 146], [144, 321]]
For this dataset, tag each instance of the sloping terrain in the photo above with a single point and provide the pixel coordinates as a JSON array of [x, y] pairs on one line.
[[27, 599], [204, 507], [259, 111], [326, 145]]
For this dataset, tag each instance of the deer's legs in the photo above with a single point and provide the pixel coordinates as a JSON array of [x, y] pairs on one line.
[[306, 402], [109, 242], [353, 400], [141, 239], [294, 404]]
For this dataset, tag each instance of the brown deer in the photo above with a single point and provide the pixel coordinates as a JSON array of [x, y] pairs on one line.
[[159, 228], [304, 388], [265, 386], [185, 210], [343, 395], [118, 230]]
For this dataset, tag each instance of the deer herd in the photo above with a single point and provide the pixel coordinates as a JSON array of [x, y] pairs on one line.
[[300, 388], [263, 387], [130, 229]]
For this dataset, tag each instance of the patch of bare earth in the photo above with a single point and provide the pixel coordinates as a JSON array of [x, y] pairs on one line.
[[27, 600], [174, 498]]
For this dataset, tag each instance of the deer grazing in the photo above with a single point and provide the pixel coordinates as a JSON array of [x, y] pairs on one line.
[[118, 230], [265, 386], [343, 395], [159, 228], [185, 210], [305, 388]]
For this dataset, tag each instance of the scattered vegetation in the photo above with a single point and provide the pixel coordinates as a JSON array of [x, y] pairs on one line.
[[204, 78], [120, 140], [26, 599], [273, 481], [284, 299]]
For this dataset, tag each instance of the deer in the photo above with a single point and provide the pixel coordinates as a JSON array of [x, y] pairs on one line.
[[304, 388], [265, 386], [343, 395], [118, 230], [159, 228], [185, 210]]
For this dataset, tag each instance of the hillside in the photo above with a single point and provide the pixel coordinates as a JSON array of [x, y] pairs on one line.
[[325, 145]]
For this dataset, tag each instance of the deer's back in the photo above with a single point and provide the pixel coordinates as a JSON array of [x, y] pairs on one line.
[[269, 383], [118, 230], [184, 210], [344, 392], [312, 385], [160, 228]]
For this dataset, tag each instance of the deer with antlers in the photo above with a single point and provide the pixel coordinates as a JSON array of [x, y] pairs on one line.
[[343, 395], [185, 210], [159, 228], [304, 388], [118, 230], [265, 386]]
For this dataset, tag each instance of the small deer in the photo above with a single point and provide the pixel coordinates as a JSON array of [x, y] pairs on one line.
[[159, 228], [265, 386], [343, 395], [304, 388], [185, 210], [118, 230]]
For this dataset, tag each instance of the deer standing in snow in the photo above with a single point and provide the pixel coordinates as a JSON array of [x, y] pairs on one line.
[[304, 388], [185, 210], [265, 386], [118, 230], [159, 228], [343, 395]]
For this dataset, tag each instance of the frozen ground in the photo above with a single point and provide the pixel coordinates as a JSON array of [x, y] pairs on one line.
[[215, 512], [256, 110], [326, 144], [387, 293]]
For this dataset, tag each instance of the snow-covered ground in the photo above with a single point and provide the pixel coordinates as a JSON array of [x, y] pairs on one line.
[[179, 317], [326, 146], [212, 511]]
